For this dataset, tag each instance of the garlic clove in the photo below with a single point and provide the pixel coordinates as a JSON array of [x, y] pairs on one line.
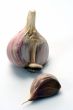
[[45, 85], [42, 53], [14, 50]]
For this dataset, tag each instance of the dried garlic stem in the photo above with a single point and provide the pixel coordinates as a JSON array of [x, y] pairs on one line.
[[30, 26]]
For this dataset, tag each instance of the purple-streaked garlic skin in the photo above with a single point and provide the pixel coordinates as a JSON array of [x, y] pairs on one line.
[[28, 46], [14, 50]]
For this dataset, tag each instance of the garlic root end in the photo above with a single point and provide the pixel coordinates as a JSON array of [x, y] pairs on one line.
[[34, 66]]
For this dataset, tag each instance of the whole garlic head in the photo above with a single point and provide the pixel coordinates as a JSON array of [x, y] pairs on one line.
[[28, 48]]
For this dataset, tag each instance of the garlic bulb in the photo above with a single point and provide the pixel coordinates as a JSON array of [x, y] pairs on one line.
[[28, 48]]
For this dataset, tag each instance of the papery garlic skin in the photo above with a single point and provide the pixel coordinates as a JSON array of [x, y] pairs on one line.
[[44, 85], [14, 50], [28, 48]]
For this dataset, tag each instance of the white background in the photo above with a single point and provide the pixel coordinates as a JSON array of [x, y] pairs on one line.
[[55, 22]]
